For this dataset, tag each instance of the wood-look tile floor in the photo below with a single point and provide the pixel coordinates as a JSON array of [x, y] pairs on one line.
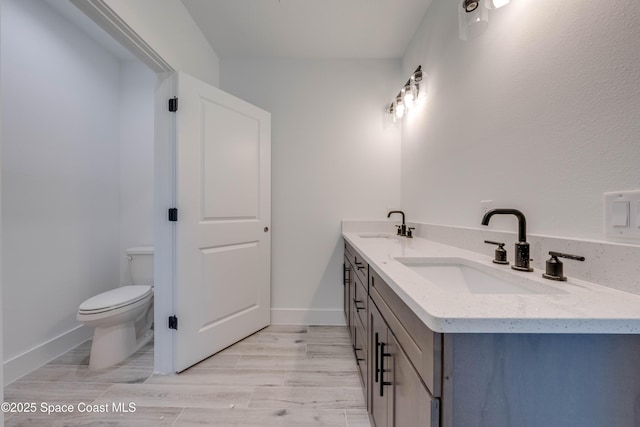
[[280, 376]]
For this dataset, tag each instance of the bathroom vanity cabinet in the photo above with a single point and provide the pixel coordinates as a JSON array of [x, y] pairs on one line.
[[415, 377], [388, 353]]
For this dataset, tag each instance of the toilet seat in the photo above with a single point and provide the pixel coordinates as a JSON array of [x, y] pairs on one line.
[[115, 299]]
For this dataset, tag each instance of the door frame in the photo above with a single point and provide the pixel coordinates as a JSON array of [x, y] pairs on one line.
[[164, 174]]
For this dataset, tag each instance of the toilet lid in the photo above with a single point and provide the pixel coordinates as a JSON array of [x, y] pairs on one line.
[[115, 298]]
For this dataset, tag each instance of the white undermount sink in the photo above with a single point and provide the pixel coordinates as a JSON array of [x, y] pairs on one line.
[[458, 275], [375, 236]]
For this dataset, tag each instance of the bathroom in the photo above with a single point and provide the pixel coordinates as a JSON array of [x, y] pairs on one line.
[[539, 113], [77, 184]]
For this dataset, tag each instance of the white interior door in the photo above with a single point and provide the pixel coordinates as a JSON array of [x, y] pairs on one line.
[[223, 244]]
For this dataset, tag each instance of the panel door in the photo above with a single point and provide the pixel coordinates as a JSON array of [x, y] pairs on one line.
[[223, 246]]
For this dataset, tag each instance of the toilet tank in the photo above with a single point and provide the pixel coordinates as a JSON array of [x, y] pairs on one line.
[[141, 265]]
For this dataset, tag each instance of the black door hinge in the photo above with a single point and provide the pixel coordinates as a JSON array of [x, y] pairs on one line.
[[173, 214], [173, 322], [173, 104]]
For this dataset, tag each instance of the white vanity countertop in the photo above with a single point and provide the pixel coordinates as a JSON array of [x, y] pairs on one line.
[[573, 306]]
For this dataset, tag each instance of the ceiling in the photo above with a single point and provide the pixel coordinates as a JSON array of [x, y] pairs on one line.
[[308, 29]]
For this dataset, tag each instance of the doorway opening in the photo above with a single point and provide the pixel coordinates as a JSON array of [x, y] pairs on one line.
[[77, 174]]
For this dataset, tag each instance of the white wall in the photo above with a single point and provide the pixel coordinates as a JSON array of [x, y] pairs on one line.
[[60, 179], [331, 159], [167, 27], [539, 113], [137, 87]]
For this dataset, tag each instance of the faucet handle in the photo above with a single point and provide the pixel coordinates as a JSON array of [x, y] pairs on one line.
[[399, 227], [567, 256], [554, 265], [409, 233], [500, 254]]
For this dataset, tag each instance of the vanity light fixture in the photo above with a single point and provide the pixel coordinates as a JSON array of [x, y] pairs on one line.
[[413, 91], [473, 16]]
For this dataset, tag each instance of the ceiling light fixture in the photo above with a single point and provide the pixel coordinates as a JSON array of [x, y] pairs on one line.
[[413, 91]]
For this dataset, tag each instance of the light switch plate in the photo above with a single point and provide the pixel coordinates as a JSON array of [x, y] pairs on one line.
[[622, 215]]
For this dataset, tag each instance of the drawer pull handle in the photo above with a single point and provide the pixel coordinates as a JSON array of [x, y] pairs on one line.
[[382, 370], [355, 352], [377, 368], [356, 302], [345, 276]]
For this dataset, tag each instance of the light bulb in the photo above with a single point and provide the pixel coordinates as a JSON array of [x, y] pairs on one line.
[[419, 85], [391, 114], [408, 97], [496, 4], [399, 109]]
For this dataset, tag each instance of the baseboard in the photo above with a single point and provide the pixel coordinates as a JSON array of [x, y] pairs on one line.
[[293, 316], [28, 361]]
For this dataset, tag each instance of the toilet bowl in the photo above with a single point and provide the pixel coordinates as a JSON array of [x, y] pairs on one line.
[[122, 317]]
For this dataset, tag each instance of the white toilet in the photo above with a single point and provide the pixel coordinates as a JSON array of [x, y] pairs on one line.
[[123, 317]]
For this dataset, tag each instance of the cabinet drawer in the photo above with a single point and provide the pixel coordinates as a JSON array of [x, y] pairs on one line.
[[422, 346], [348, 250], [360, 266], [361, 302], [361, 352]]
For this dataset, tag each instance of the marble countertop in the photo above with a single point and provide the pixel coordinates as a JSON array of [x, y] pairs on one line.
[[573, 306]]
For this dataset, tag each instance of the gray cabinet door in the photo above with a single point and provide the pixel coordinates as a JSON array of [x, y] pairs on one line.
[[352, 311], [413, 406], [380, 401], [360, 351], [346, 280], [399, 398]]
